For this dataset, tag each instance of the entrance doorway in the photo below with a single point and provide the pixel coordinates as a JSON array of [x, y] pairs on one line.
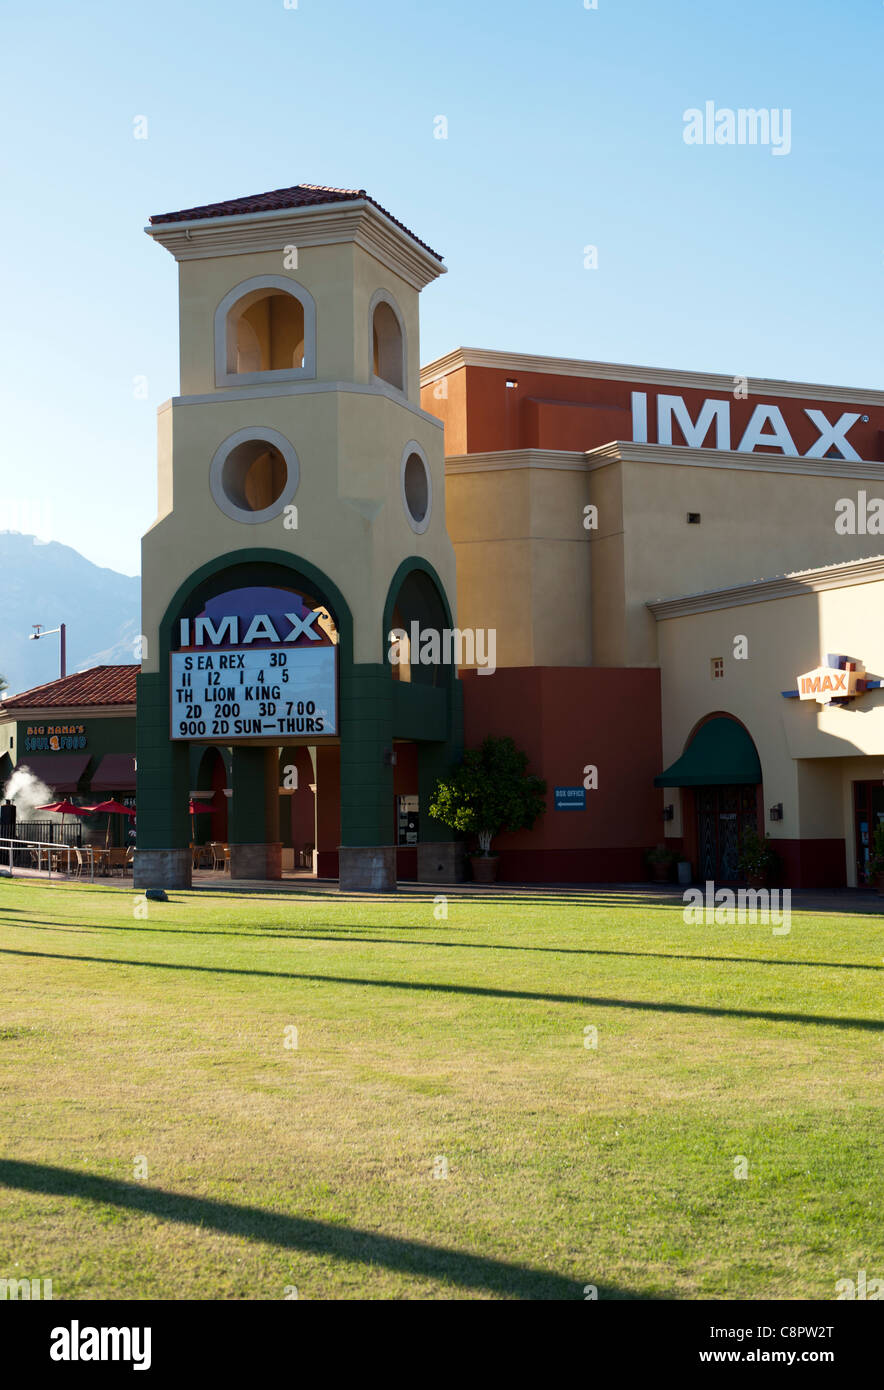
[[868, 814], [724, 814]]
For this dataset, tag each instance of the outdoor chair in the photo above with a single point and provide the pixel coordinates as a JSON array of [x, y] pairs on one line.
[[116, 861]]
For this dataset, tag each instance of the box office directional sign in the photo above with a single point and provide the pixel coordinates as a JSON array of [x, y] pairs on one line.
[[257, 666], [570, 799]]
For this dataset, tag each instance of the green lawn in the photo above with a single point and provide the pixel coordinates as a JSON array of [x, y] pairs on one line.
[[421, 1040]]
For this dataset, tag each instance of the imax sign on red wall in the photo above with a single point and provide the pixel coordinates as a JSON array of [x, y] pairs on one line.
[[710, 426]]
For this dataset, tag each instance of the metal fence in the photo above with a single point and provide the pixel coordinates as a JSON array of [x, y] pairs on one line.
[[48, 832]]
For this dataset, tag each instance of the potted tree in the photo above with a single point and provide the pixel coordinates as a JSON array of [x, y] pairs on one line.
[[659, 862], [489, 791], [757, 858], [876, 859]]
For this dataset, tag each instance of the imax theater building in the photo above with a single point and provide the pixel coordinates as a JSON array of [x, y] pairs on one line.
[[665, 586]]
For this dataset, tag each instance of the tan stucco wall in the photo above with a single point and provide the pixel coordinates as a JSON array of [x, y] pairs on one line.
[[755, 523], [809, 753], [342, 280], [523, 561], [351, 520]]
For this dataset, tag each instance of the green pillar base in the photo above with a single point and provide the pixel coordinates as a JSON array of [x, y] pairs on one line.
[[162, 868], [256, 861], [367, 868]]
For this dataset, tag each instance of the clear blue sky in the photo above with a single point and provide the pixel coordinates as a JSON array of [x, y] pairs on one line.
[[565, 129]]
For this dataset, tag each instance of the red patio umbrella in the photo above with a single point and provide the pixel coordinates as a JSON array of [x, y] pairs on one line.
[[110, 808], [65, 808], [198, 808]]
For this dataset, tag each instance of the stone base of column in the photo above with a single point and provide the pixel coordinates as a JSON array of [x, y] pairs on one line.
[[442, 861], [367, 868], [162, 868], [256, 861]]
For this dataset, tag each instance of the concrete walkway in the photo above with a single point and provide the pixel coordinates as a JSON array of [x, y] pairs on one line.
[[301, 882]]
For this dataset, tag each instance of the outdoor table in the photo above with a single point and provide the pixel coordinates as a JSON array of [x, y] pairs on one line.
[[101, 859]]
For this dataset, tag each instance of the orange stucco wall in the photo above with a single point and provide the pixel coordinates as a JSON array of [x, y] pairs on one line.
[[544, 411], [565, 719]]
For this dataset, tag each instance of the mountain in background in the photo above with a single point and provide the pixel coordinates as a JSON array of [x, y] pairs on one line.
[[50, 584]]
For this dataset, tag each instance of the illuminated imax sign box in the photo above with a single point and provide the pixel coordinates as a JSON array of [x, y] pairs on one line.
[[255, 664]]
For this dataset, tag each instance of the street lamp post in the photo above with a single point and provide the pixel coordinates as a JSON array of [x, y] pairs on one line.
[[62, 642]]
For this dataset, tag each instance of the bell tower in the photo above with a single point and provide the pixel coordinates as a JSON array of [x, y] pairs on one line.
[[301, 517]]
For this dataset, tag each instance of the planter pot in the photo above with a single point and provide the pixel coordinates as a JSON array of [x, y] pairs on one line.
[[756, 880], [660, 873], [879, 884], [484, 867]]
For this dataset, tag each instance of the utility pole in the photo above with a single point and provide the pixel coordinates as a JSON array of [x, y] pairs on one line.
[[62, 643]]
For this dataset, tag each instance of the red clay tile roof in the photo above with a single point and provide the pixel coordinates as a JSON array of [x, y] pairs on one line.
[[100, 685], [301, 195]]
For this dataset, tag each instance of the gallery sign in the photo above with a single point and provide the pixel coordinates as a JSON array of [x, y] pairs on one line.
[[256, 663]]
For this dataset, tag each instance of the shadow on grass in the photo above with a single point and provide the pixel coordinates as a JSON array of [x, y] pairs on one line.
[[353, 934], [478, 991], [456, 1267]]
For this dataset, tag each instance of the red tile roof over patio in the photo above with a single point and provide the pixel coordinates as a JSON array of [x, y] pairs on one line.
[[100, 685], [300, 195]]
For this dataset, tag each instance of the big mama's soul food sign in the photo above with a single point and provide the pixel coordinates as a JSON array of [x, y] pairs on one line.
[[255, 663], [54, 738]]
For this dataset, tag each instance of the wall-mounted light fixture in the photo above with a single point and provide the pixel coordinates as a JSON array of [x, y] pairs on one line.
[[776, 812], [389, 757], [669, 812]]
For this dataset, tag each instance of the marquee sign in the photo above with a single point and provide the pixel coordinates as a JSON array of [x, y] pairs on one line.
[[256, 663]]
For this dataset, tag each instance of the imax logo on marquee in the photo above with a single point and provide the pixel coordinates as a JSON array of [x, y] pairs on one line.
[[260, 629], [766, 428]]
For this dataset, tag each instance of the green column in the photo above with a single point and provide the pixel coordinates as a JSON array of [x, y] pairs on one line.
[[435, 760], [248, 805], [162, 857], [366, 727], [163, 769]]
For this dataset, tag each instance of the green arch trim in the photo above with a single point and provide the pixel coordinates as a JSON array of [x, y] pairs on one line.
[[254, 556], [411, 563]]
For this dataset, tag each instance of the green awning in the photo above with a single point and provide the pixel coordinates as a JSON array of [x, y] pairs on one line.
[[721, 754]]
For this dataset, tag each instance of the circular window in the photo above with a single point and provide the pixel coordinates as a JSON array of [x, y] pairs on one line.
[[417, 488], [254, 475]]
